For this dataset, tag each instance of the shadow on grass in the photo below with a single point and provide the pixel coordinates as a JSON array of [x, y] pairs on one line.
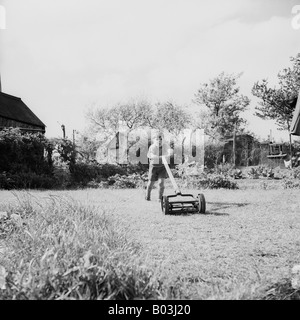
[[215, 210], [217, 206]]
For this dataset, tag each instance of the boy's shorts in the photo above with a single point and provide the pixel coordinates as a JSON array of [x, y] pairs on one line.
[[157, 172]]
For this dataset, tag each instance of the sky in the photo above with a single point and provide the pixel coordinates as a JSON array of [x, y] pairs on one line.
[[62, 57]]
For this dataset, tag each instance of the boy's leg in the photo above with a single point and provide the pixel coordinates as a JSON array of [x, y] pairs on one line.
[[152, 177], [161, 187], [150, 185]]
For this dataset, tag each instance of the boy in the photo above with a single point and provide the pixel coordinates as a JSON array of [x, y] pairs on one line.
[[157, 170]]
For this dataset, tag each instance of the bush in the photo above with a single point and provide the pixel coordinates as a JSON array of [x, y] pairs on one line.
[[32, 161], [61, 174], [211, 181], [26, 180], [261, 171], [89, 174], [213, 153], [236, 174], [127, 182], [23, 152], [291, 183]]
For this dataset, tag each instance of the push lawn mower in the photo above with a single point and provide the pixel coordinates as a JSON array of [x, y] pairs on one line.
[[180, 205]]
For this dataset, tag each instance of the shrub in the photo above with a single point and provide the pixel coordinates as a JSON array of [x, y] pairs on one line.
[[61, 174], [236, 174], [213, 153], [122, 182], [109, 170], [137, 168], [253, 173], [26, 180], [211, 181], [289, 183], [24, 152], [89, 174]]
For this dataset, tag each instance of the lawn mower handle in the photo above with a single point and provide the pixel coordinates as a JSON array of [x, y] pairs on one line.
[[175, 186]]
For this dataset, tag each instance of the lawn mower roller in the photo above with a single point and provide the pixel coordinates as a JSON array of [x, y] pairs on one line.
[[181, 205]]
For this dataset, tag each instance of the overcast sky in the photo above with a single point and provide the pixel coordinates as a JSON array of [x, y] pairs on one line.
[[61, 56]]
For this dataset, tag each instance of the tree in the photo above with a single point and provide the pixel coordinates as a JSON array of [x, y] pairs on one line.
[[221, 105], [132, 115], [86, 147], [171, 117], [279, 103]]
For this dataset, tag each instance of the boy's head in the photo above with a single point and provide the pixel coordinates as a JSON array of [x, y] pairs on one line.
[[158, 137]]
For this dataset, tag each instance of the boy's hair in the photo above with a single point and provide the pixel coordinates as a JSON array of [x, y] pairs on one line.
[[158, 134]]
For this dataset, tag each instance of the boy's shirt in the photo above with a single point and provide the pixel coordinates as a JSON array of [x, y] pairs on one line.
[[156, 150]]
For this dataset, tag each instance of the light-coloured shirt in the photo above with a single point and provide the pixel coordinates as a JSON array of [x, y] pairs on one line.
[[155, 153]]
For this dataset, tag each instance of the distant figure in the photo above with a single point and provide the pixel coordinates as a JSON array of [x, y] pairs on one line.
[[157, 170]]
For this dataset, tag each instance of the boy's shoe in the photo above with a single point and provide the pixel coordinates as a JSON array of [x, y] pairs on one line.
[[147, 198]]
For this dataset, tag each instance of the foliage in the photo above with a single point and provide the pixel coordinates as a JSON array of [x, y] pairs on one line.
[[126, 182], [65, 149], [210, 181], [171, 117], [132, 181], [61, 174], [23, 152], [86, 147], [32, 161], [291, 178], [26, 180], [260, 171], [186, 169], [236, 174], [277, 103], [289, 183], [213, 153], [224, 105], [132, 114], [25, 160]]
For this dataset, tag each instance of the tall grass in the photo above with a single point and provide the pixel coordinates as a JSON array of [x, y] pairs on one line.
[[61, 249], [57, 248]]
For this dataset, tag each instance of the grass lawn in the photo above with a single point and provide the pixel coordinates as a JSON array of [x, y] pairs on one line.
[[246, 243]]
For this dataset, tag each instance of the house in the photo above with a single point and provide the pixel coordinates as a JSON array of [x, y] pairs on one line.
[[15, 113], [295, 125]]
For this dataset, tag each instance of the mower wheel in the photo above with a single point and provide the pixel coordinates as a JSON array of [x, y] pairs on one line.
[[202, 203], [165, 205]]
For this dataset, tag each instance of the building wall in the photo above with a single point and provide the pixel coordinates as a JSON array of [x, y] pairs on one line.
[[7, 123]]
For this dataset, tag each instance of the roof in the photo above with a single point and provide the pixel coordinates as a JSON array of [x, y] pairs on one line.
[[295, 125], [14, 108]]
